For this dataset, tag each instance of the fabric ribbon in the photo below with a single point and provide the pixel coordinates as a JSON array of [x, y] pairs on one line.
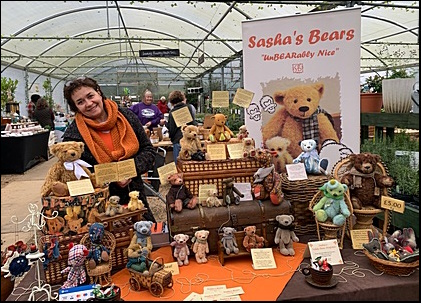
[[262, 173], [76, 166]]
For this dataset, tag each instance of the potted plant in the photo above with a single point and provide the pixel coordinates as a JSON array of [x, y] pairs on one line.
[[8, 88], [399, 156], [397, 89], [371, 95]]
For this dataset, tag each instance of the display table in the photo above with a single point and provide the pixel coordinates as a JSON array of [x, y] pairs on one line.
[[366, 287], [18, 154]]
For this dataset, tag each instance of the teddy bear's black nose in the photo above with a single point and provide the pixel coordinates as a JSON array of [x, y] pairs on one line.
[[303, 109], [73, 154]]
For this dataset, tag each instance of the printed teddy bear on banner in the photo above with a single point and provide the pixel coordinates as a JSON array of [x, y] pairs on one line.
[[69, 167], [181, 249], [332, 205], [200, 245], [179, 196], [310, 157], [300, 117], [285, 234], [219, 132], [364, 182]]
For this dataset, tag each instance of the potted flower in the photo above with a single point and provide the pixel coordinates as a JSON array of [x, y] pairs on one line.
[[397, 89], [8, 88], [371, 95]]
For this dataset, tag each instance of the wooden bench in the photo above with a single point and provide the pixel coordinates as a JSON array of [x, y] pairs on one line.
[[239, 236]]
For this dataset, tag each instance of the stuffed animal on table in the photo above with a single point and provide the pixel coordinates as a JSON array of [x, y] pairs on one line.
[[181, 249], [332, 205], [212, 199], [113, 206], [228, 240], [310, 157], [69, 167], [76, 266], [190, 144], [219, 132], [242, 132], [98, 252], [267, 182], [300, 117], [285, 234], [229, 190], [251, 240], [278, 147], [142, 234], [364, 182], [134, 202], [248, 147], [179, 196], [201, 245], [137, 258]]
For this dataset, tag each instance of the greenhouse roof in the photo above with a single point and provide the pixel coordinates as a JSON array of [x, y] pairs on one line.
[[103, 39]]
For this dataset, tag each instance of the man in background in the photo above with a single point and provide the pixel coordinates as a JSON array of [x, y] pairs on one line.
[[31, 105]]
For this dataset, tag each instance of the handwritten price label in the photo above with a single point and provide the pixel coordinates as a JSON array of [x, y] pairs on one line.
[[393, 204]]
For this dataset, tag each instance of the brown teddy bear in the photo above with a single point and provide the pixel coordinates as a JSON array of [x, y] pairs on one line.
[[179, 196], [364, 182], [200, 245], [278, 147], [219, 132], [251, 240], [190, 143], [229, 190], [300, 117], [69, 167]]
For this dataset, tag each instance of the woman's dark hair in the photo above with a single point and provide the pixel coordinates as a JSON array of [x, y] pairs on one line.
[[42, 103], [176, 97], [75, 84]]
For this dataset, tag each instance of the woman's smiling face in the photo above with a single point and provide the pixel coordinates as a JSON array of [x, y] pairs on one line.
[[89, 103]]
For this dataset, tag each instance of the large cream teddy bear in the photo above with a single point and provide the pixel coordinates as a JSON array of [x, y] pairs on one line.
[[219, 132], [300, 117], [69, 167], [190, 143]]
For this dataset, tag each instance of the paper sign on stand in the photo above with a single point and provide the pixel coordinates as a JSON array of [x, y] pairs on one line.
[[327, 249]]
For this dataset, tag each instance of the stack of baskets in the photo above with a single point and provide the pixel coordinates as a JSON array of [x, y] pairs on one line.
[[300, 193], [392, 268]]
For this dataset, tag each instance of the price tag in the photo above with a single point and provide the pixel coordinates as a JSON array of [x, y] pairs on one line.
[[393, 204]]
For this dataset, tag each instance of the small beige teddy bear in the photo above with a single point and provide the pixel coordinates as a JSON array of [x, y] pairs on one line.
[[134, 202], [248, 147], [114, 207], [212, 199]]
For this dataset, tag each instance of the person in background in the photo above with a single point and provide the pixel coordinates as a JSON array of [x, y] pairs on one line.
[[147, 112], [177, 99], [111, 133], [162, 105], [31, 105], [191, 107], [44, 115]]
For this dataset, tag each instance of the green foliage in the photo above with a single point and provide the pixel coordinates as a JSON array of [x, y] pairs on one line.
[[400, 169], [373, 84], [8, 87], [48, 92]]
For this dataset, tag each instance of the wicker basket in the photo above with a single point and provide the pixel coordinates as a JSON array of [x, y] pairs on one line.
[[196, 173], [392, 268], [300, 193], [53, 274]]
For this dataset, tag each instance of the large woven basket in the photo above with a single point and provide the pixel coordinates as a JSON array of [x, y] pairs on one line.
[[392, 268], [196, 173]]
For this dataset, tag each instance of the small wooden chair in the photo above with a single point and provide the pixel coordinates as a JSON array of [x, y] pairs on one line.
[[330, 230], [364, 217], [101, 274]]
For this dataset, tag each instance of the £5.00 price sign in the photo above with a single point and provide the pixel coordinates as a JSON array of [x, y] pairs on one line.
[[393, 204]]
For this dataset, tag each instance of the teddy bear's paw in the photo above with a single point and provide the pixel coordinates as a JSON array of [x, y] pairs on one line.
[[92, 264], [104, 256], [59, 189], [284, 251], [321, 215], [291, 251]]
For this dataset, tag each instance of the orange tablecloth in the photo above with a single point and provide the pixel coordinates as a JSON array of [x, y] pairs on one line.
[[258, 285]]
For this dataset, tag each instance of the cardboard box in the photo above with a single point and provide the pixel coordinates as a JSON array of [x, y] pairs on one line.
[[160, 234]]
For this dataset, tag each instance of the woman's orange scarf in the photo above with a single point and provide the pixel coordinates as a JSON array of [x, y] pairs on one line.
[[123, 136]]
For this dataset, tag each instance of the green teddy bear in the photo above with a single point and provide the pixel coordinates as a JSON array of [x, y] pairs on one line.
[[332, 205]]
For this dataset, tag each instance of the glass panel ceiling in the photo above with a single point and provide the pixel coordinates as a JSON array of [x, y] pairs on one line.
[[102, 39]]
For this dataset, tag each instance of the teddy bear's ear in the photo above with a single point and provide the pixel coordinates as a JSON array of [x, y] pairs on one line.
[[279, 97], [81, 145], [292, 217], [320, 87], [213, 117]]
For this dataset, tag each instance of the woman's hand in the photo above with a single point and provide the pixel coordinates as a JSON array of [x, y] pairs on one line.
[[124, 183], [148, 124]]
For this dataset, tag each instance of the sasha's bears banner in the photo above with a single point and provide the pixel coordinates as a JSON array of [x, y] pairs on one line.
[[305, 73]]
